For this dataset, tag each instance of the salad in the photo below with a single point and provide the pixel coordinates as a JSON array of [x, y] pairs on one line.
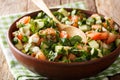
[[40, 37]]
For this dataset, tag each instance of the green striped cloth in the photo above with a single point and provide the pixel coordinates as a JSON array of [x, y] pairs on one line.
[[20, 72]]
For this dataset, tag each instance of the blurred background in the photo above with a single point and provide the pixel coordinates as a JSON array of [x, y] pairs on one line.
[[106, 7]]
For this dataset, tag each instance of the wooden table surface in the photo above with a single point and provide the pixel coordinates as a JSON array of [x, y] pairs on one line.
[[107, 7]]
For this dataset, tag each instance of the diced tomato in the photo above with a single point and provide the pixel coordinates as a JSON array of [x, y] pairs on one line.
[[71, 57], [104, 24], [98, 35], [69, 17], [50, 31], [20, 36], [41, 56], [58, 57], [63, 34], [111, 38], [39, 42], [79, 47], [25, 19], [75, 21], [75, 24], [97, 26], [118, 36], [33, 54], [75, 18]]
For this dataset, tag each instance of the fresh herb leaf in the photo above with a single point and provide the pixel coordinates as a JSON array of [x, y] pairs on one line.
[[65, 42], [25, 39], [75, 39]]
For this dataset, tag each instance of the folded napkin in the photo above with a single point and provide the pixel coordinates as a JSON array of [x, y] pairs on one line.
[[20, 72]]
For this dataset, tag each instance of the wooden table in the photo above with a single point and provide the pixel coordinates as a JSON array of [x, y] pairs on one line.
[[107, 7]]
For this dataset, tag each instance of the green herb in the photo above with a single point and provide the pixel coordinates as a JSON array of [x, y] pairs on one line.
[[90, 21], [25, 39], [40, 15], [75, 39], [94, 53], [75, 51], [15, 40], [19, 25], [65, 41], [84, 56], [58, 15], [52, 56], [74, 12], [33, 26]]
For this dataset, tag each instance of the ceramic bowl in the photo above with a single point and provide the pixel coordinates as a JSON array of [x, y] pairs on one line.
[[57, 70]]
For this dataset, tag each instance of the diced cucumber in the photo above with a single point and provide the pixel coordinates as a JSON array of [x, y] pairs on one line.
[[68, 22], [58, 48], [99, 21], [19, 45], [25, 30], [96, 16], [100, 53], [104, 45], [27, 47], [105, 51], [117, 42], [40, 24], [73, 12], [79, 23], [35, 49], [90, 21], [43, 45], [116, 27], [93, 44], [52, 56], [63, 11], [104, 29], [94, 52], [67, 47], [40, 15], [64, 19], [84, 27]]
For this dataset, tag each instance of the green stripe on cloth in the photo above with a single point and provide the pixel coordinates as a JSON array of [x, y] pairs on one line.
[[20, 72]]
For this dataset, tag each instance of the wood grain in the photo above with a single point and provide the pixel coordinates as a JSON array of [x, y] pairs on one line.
[[64, 1], [91, 5], [5, 74], [50, 3], [106, 9], [12, 6], [109, 8], [116, 10]]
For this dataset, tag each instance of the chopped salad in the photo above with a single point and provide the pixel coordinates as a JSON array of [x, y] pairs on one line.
[[40, 37]]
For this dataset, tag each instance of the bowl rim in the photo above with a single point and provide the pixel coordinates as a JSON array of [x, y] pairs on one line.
[[52, 62]]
